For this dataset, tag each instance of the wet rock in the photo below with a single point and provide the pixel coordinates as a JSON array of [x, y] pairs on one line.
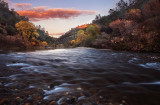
[[83, 100], [110, 104], [18, 98], [123, 101], [30, 98], [101, 97], [67, 100], [79, 88]]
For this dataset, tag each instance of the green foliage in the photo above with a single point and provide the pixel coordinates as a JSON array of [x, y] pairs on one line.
[[43, 36], [92, 30], [87, 36]]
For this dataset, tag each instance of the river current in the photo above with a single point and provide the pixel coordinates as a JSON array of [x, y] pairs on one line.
[[83, 76]]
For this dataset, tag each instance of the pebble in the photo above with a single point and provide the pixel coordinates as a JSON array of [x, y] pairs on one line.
[[123, 101], [52, 103], [100, 97], [110, 104], [81, 98], [66, 93], [18, 98], [79, 88], [27, 104]]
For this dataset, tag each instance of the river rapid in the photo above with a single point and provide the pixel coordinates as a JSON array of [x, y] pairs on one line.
[[79, 76]]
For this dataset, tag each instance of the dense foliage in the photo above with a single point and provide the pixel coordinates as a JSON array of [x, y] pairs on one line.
[[86, 36], [131, 25], [44, 36], [8, 19], [17, 32]]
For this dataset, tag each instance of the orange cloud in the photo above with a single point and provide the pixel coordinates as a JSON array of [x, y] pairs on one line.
[[22, 5], [40, 13]]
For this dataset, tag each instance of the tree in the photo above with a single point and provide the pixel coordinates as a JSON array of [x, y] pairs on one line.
[[134, 14], [92, 30], [26, 29], [72, 42], [122, 5], [125, 27], [107, 30], [80, 36], [44, 43], [111, 11], [97, 17], [152, 8], [3, 5]]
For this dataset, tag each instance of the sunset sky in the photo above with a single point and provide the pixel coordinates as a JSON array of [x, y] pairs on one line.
[[59, 16]]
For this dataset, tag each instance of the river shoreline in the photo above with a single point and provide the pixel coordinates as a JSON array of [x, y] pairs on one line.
[[19, 49]]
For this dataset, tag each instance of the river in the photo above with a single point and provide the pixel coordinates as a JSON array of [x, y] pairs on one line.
[[79, 76]]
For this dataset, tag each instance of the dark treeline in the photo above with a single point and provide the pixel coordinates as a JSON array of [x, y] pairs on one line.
[[131, 25], [12, 36]]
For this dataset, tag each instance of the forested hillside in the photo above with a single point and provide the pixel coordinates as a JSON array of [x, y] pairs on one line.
[[16, 32], [131, 25]]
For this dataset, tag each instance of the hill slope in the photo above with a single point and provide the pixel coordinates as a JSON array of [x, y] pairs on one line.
[[12, 38], [131, 25]]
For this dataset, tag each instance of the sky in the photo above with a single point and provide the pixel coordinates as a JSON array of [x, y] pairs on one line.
[[59, 16]]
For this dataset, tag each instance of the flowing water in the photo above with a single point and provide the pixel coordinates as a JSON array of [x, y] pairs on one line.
[[80, 76]]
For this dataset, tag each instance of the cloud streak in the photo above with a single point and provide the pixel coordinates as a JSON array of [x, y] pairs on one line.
[[41, 13], [22, 5]]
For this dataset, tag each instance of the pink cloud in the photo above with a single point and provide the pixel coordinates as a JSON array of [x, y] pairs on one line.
[[22, 5], [7, 1], [40, 13]]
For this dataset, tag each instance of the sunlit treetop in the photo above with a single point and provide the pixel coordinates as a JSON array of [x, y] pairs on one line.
[[26, 29]]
